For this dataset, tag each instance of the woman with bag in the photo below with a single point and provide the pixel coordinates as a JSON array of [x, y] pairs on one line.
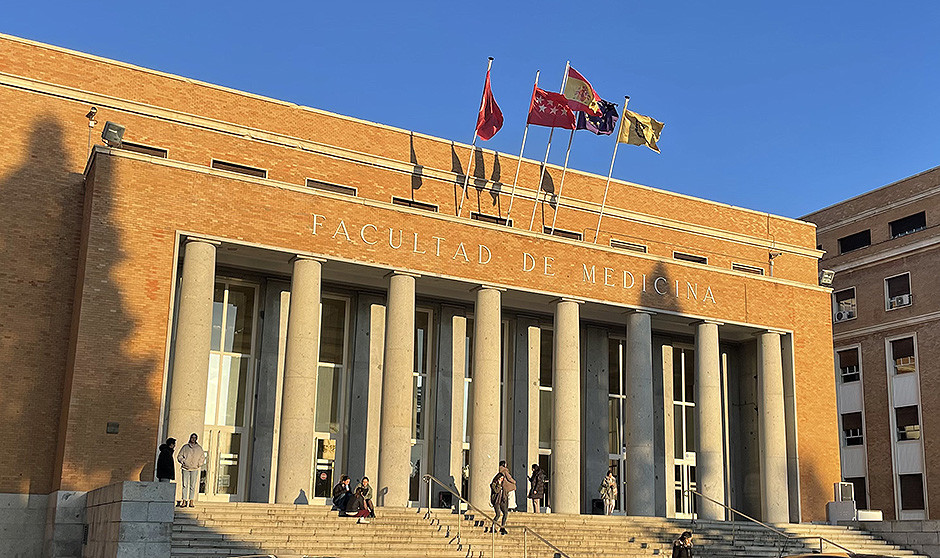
[[608, 492], [537, 482]]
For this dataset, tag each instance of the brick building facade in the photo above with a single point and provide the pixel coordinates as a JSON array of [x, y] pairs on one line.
[[145, 293]]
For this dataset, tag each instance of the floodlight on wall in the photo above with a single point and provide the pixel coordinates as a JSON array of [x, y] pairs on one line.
[[112, 134], [825, 277]]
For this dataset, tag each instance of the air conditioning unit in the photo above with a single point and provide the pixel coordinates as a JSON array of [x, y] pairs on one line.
[[900, 300], [843, 315], [844, 492]]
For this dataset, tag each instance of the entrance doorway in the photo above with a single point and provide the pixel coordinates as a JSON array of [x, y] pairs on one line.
[[417, 490], [228, 398], [683, 407], [329, 430]]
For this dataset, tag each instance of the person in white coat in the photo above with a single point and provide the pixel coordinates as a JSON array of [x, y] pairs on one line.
[[191, 457]]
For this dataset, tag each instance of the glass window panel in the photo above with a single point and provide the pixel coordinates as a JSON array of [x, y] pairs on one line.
[[468, 350], [417, 413], [212, 390], [238, 319], [678, 432], [688, 370], [614, 367], [332, 330], [422, 342], [545, 418], [233, 381], [613, 422], [545, 357], [226, 480], [900, 285], [217, 310], [902, 351], [467, 409], [327, 378], [912, 492], [677, 382], [690, 428], [908, 422]]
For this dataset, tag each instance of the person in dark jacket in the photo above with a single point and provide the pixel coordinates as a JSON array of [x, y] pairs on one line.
[[341, 494], [166, 468], [356, 506], [682, 547], [537, 482]]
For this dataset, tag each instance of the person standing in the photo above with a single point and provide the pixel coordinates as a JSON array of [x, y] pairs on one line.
[[509, 486], [609, 492], [537, 490], [166, 469], [682, 547], [191, 457], [367, 494]]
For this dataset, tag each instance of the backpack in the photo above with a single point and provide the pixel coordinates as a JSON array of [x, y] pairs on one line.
[[496, 485]]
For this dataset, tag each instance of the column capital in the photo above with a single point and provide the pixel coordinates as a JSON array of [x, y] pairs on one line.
[[395, 272], [487, 287], [301, 257], [760, 332], [191, 238], [632, 311], [709, 322], [568, 299]]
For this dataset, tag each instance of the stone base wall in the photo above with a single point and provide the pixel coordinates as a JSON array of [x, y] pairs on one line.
[[920, 536], [130, 519], [22, 524]]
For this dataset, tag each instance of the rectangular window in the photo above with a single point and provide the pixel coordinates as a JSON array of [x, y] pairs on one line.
[[144, 149], [415, 204], [241, 169], [852, 429], [747, 268], [902, 351], [624, 245], [330, 187], [562, 233], [690, 257], [494, 219], [912, 491], [845, 305], [860, 490], [898, 291], [908, 423], [848, 365], [908, 225], [855, 241]]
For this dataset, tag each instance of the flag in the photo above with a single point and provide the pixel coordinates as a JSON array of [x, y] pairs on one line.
[[491, 118], [581, 96], [637, 129], [550, 109], [602, 125]]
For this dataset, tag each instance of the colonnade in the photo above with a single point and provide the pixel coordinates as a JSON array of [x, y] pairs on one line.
[[186, 409]]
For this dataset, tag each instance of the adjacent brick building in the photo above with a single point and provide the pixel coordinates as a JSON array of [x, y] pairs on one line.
[[300, 289], [882, 246]]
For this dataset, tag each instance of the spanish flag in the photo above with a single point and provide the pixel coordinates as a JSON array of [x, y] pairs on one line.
[[581, 96], [636, 129]]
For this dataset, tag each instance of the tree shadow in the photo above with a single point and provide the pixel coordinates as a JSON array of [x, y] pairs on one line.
[[417, 171], [457, 169]]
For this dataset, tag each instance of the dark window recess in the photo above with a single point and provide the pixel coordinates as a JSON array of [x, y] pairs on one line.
[[908, 225], [415, 204], [852, 429], [908, 423], [845, 304], [902, 351], [899, 291], [690, 257], [855, 241], [861, 492], [494, 219], [241, 169], [144, 149], [848, 365], [563, 233], [624, 245], [330, 187], [912, 492], [747, 268]]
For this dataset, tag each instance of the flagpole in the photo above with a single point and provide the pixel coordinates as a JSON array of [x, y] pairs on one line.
[[525, 133], [473, 144], [538, 190], [561, 184], [626, 99]]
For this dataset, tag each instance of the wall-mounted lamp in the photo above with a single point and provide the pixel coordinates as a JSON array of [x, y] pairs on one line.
[[112, 134], [825, 277]]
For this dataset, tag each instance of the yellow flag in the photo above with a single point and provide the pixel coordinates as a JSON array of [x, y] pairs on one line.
[[637, 129]]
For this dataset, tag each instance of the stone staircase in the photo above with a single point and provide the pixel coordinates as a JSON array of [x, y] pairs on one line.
[[213, 530]]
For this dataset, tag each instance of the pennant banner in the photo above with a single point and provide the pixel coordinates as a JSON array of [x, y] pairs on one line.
[[581, 96], [491, 118], [603, 125], [550, 109], [640, 130]]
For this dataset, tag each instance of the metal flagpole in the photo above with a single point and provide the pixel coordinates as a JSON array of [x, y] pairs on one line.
[[623, 117], [561, 184], [473, 144], [512, 193], [538, 190]]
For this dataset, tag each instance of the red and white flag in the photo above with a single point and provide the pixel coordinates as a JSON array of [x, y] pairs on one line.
[[491, 118], [550, 109]]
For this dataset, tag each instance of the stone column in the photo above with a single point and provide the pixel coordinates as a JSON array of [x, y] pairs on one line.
[[566, 409], [484, 426], [709, 449], [641, 474], [773, 434], [186, 412], [298, 400], [397, 392]]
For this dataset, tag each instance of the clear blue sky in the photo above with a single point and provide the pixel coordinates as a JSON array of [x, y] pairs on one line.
[[784, 107]]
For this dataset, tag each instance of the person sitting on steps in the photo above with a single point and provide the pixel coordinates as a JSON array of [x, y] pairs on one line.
[[341, 494], [356, 506]]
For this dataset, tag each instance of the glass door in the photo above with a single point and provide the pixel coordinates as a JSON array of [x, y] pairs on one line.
[[683, 407], [329, 430], [417, 490], [615, 418], [228, 397]]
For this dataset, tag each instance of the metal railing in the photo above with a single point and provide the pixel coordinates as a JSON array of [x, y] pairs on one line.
[[786, 536], [526, 530]]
